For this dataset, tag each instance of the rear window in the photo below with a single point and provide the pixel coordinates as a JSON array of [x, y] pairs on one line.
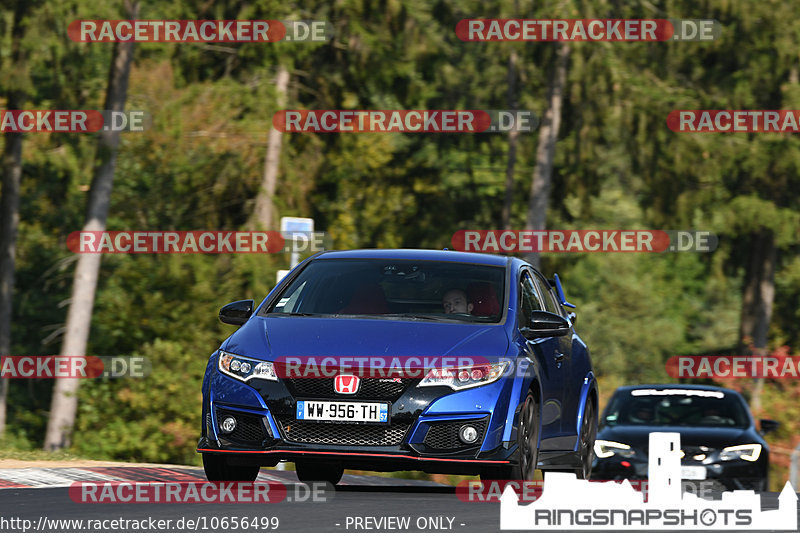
[[422, 290]]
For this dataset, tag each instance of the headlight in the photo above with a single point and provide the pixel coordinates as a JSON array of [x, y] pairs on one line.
[[464, 377], [748, 452], [607, 448], [244, 368]]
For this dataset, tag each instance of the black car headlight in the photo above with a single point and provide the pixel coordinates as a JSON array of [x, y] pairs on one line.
[[244, 368], [746, 452], [604, 449]]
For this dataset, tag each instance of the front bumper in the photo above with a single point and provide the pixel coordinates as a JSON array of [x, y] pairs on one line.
[[730, 475], [421, 433]]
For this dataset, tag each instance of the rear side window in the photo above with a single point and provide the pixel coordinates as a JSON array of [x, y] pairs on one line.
[[529, 301], [550, 303]]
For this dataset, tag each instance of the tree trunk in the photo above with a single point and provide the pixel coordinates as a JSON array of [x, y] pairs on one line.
[[759, 295], [64, 405], [545, 151], [9, 208], [264, 211], [513, 140]]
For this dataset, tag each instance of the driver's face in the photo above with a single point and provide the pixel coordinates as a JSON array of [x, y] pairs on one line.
[[455, 301]]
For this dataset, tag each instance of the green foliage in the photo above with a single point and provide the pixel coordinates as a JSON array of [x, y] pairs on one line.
[[199, 166]]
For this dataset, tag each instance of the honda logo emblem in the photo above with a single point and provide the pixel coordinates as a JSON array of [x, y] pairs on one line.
[[346, 384]]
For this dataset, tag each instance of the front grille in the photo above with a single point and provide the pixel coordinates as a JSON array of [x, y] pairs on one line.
[[250, 429], [343, 434], [444, 435], [369, 389]]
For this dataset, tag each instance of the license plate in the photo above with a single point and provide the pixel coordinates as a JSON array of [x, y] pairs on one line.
[[693, 472], [343, 411]]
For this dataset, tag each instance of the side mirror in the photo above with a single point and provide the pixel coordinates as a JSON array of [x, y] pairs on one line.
[[768, 426], [236, 313], [545, 324]]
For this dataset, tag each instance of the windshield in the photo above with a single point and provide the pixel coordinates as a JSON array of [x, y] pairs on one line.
[[675, 407], [379, 288]]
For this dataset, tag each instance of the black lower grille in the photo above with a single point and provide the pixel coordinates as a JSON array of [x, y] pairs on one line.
[[343, 434], [388, 389], [444, 435], [250, 429]]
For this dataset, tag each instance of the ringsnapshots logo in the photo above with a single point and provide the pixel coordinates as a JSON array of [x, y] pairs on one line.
[[567, 503]]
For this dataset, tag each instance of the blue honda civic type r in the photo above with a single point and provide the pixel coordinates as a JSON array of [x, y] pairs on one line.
[[386, 360]]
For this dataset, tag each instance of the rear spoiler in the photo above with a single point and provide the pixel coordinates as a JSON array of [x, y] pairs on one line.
[[556, 282]]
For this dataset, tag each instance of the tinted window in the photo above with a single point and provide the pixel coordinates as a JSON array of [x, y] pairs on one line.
[[550, 303], [395, 288], [529, 301], [675, 407]]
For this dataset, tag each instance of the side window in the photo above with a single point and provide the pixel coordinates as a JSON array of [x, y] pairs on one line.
[[549, 297], [529, 302]]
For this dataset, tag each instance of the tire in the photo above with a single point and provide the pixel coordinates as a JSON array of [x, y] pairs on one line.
[[586, 440], [311, 472], [528, 444], [218, 469]]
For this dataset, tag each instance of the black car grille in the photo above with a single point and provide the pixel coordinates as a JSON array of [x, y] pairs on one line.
[[444, 435], [343, 434], [369, 388], [250, 429]]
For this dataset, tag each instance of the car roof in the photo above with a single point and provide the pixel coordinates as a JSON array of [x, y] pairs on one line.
[[418, 254], [628, 388]]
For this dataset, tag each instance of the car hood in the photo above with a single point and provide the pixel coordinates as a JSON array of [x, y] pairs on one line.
[[271, 337], [713, 437]]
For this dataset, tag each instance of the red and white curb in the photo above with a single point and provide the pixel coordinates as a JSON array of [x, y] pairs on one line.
[[15, 478], [51, 477]]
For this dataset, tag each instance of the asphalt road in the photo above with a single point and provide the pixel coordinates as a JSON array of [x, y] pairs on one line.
[[357, 506]]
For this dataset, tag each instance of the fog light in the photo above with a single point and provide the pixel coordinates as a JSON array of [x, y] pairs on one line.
[[228, 424], [468, 434]]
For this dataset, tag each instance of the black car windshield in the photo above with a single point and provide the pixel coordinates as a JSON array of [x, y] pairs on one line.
[[676, 407], [404, 289]]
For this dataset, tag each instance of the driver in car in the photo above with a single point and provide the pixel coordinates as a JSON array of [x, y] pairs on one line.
[[455, 301]]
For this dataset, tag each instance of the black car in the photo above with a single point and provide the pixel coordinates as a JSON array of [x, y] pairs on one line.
[[719, 439]]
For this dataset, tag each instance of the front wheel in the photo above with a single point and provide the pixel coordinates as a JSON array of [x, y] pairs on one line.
[[528, 444], [587, 438], [218, 469]]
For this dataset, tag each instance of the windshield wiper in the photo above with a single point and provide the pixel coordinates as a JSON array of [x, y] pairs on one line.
[[420, 316]]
